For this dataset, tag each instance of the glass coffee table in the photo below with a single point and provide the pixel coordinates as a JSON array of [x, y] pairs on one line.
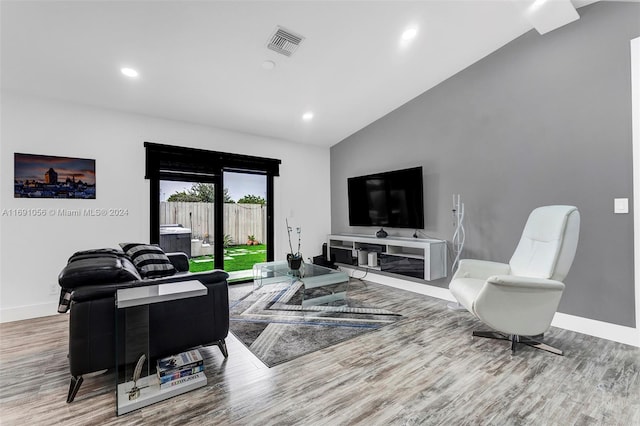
[[320, 285]]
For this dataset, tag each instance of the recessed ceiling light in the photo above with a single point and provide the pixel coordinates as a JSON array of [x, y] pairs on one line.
[[268, 65], [307, 116], [129, 72], [409, 34]]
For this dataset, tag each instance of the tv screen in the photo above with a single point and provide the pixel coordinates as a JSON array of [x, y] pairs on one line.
[[393, 199]]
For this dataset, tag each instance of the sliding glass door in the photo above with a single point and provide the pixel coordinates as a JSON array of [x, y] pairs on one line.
[[244, 222], [187, 221], [215, 207]]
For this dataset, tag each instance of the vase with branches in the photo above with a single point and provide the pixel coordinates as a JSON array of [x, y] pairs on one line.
[[294, 258]]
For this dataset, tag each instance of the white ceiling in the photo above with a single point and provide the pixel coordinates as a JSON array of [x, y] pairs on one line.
[[201, 61]]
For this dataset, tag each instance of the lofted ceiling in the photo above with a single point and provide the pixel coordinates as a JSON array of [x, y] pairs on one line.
[[204, 61]]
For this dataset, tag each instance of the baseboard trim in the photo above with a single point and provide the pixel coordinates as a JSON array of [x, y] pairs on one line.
[[604, 330], [601, 329], [19, 313]]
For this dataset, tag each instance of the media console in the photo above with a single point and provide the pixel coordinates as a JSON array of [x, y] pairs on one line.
[[414, 257]]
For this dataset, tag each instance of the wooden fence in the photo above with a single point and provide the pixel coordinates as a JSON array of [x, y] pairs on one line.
[[240, 220]]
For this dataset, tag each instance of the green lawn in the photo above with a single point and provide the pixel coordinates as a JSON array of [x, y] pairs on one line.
[[236, 258]]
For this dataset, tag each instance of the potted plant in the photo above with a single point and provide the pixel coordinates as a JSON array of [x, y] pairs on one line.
[[251, 240], [294, 259]]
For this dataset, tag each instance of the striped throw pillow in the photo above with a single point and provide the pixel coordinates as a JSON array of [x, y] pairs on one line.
[[150, 260]]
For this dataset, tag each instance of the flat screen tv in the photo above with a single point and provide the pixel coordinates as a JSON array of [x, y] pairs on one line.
[[392, 199]]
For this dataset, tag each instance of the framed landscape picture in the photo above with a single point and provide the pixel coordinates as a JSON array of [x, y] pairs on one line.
[[46, 176]]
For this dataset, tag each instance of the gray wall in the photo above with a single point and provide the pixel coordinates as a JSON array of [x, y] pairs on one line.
[[544, 120]]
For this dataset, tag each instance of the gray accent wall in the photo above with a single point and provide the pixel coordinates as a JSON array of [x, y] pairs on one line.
[[544, 120]]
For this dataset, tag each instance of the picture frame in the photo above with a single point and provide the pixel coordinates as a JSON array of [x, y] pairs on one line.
[[47, 176]]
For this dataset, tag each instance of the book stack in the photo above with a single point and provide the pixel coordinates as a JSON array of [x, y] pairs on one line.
[[181, 368]]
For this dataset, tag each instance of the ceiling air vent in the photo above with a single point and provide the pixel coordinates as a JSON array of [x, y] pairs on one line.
[[284, 41]]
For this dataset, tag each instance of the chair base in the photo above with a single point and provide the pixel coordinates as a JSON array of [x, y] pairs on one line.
[[515, 339], [455, 306]]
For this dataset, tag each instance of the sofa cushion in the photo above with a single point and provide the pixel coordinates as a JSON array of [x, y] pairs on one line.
[[93, 253], [150, 260], [97, 270]]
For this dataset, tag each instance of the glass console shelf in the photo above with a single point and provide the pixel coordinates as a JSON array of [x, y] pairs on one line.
[[132, 307]]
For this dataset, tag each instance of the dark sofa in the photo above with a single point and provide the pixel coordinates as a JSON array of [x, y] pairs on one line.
[[89, 283]]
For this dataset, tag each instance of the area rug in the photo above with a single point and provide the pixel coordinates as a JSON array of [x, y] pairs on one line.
[[272, 324]]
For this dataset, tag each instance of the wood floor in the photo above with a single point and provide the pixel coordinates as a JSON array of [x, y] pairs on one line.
[[424, 369]]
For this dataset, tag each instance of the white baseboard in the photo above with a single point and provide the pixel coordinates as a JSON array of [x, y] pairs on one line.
[[604, 330], [19, 313]]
